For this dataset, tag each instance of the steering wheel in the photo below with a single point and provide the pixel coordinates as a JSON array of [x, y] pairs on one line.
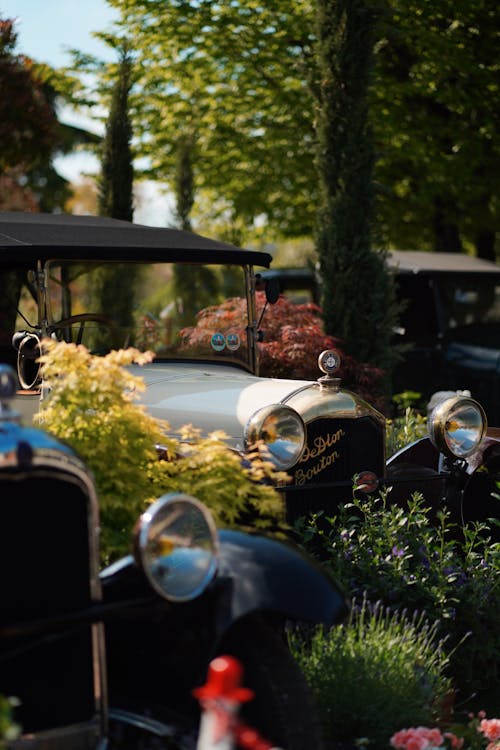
[[81, 319]]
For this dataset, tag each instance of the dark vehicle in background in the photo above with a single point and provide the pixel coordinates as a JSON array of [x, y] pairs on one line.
[[110, 284], [449, 322], [108, 659]]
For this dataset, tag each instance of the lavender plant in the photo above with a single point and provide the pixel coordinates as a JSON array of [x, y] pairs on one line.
[[373, 674], [403, 559]]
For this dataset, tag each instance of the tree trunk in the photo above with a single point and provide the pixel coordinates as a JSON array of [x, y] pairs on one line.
[[485, 244], [446, 233]]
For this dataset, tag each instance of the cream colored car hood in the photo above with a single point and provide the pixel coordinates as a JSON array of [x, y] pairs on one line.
[[210, 397]]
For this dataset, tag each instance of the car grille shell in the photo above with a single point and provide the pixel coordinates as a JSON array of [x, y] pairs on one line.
[[49, 574]]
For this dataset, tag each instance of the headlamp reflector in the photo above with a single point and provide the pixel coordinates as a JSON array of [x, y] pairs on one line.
[[457, 426], [176, 545], [283, 432]]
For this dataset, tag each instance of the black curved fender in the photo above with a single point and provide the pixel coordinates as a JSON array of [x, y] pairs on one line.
[[415, 468], [148, 638], [266, 575]]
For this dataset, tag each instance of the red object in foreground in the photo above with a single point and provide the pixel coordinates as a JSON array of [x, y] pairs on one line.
[[224, 681], [220, 699]]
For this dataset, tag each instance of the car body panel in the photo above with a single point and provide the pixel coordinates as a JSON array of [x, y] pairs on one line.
[[205, 370], [210, 396], [74, 639]]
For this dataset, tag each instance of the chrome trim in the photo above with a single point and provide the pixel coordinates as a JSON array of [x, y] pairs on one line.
[[153, 726], [253, 357], [438, 425]]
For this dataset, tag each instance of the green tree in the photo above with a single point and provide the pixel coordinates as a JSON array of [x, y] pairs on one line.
[[244, 73], [117, 173], [357, 295], [116, 196], [30, 132], [233, 75], [435, 112], [27, 116]]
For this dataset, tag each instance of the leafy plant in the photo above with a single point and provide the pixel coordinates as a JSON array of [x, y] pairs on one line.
[[9, 730], [404, 429], [91, 403], [293, 337], [401, 557], [374, 673]]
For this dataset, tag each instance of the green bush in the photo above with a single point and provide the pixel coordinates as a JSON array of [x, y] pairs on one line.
[[374, 674], [9, 730], [401, 558], [91, 405], [404, 429]]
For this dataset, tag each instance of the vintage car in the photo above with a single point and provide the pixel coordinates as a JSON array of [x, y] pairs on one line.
[[110, 284], [109, 659], [449, 324]]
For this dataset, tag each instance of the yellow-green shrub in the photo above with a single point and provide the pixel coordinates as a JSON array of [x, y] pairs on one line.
[[91, 404]]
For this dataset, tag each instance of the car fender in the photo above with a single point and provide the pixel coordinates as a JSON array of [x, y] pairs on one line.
[[255, 574], [274, 577]]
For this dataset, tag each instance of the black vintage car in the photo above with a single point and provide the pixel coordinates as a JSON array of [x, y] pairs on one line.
[[449, 325], [109, 284], [103, 659]]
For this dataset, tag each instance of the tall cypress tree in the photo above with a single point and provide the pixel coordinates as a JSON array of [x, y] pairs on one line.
[[358, 298], [194, 286], [117, 172], [116, 201], [184, 181]]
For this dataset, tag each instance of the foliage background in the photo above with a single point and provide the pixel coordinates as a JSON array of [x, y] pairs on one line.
[[238, 81]]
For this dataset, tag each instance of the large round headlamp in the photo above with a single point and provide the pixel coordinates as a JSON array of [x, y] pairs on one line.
[[457, 426], [282, 431], [176, 545]]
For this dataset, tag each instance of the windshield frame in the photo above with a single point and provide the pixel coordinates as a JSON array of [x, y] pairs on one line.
[[46, 320]]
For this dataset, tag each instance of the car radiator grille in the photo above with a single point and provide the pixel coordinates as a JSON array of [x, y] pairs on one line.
[[337, 450], [45, 572]]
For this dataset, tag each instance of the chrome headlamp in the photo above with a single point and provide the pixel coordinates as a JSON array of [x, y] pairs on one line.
[[176, 545], [457, 426], [283, 432]]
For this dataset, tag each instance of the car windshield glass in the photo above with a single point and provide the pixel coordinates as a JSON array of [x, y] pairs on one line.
[[171, 309], [470, 300]]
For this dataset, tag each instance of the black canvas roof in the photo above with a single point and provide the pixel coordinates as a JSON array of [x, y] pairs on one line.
[[25, 236], [418, 261]]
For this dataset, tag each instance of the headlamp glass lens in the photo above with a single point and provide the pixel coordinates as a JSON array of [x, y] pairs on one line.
[[283, 432], [178, 547]]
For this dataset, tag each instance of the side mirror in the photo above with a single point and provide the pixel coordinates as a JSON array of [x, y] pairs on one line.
[[272, 291], [28, 351]]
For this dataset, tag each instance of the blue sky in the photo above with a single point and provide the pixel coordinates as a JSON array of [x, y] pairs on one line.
[[46, 30]]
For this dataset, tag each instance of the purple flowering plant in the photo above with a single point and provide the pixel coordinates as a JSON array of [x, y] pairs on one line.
[[412, 561]]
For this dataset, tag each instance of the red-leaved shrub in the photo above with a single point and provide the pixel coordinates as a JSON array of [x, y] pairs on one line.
[[292, 339]]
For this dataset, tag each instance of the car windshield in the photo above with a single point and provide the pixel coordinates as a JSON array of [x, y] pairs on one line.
[[171, 309], [470, 300]]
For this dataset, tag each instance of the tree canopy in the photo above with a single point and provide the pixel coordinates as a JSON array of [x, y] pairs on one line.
[[27, 117], [31, 134], [436, 115], [239, 79]]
